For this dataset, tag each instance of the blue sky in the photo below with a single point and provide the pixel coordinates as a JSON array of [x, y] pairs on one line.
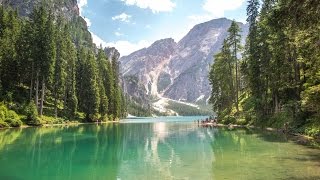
[[130, 25]]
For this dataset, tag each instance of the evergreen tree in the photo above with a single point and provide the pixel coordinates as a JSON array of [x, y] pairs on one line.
[[42, 51], [234, 40], [103, 75], [9, 32], [221, 80], [90, 98], [110, 90], [60, 75], [70, 98], [253, 55]]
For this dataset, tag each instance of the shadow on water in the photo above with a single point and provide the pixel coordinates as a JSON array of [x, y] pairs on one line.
[[249, 153], [61, 152]]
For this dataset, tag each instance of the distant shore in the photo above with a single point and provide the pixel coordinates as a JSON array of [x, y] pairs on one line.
[[73, 123]]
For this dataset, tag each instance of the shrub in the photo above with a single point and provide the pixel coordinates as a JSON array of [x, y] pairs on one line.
[[13, 119], [3, 124], [9, 117], [104, 118], [111, 118], [242, 122], [229, 119], [32, 114]]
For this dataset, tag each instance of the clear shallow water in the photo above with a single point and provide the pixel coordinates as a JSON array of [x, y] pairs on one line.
[[169, 148]]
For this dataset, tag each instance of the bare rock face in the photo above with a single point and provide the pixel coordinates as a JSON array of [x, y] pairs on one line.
[[112, 53], [146, 65], [67, 8], [179, 71]]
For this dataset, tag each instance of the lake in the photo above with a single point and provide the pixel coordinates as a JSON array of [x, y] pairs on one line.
[[152, 148]]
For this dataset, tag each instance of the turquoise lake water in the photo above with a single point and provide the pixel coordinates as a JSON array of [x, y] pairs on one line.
[[152, 148]]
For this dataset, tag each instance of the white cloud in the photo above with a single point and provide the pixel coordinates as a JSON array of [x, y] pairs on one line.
[[98, 41], [148, 26], [125, 47], [154, 5], [81, 5], [196, 19], [122, 17], [214, 9], [88, 21], [118, 33], [217, 8]]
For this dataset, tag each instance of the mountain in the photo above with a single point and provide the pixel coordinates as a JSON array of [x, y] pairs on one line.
[[67, 9], [178, 71]]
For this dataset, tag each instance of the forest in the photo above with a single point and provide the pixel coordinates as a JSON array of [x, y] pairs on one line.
[[50, 72], [274, 79]]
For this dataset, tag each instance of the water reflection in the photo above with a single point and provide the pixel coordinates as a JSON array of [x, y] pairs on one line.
[[63, 153], [245, 154], [151, 151], [166, 151]]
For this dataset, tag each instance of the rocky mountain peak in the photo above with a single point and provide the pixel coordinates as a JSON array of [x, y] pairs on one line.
[[163, 47], [179, 71], [67, 8], [112, 53]]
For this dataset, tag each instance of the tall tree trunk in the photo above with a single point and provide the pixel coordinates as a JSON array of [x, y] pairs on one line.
[[31, 82], [37, 91], [237, 81], [55, 104], [276, 103], [42, 96]]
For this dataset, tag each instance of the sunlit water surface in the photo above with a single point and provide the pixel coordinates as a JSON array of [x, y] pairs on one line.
[[157, 148]]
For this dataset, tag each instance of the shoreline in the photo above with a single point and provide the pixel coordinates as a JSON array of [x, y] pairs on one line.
[[59, 125], [294, 137]]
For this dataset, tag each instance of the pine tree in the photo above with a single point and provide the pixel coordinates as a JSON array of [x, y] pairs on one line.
[[89, 94], [10, 30], [24, 57], [70, 98], [103, 74], [42, 52], [60, 75], [110, 90], [234, 40], [221, 80], [253, 60]]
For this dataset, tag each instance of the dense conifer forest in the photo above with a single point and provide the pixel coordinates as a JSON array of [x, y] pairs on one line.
[[51, 72], [276, 81]]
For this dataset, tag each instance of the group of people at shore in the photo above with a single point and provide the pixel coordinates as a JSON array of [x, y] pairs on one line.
[[212, 120]]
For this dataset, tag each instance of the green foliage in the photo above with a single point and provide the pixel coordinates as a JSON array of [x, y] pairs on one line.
[[51, 62], [186, 110], [229, 120], [312, 130], [4, 124], [280, 68], [9, 117], [138, 110], [224, 75], [31, 114]]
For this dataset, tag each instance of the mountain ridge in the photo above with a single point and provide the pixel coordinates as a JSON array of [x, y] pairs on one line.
[[179, 70]]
